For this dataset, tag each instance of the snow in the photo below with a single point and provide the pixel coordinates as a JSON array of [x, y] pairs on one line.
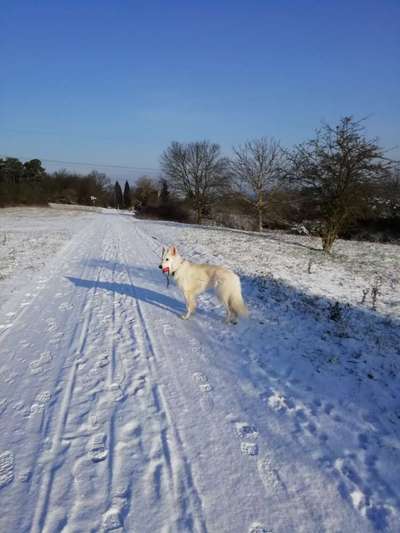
[[119, 416], [28, 237]]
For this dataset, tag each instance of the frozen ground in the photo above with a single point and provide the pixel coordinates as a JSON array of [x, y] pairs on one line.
[[117, 415]]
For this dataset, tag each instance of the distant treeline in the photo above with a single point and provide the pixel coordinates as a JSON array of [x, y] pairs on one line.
[[29, 184], [339, 183]]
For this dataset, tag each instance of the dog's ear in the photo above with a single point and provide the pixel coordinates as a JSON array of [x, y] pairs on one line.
[[173, 250], [163, 251]]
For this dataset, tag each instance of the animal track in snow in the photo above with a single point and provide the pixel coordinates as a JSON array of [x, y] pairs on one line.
[[6, 468], [97, 448]]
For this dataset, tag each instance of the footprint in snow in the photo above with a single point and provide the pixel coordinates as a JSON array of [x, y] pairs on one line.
[[199, 377], [97, 448], [37, 366], [116, 392], [278, 402], [249, 448], [245, 431], [258, 528], [250, 434], [43, 397], [111, 520], [207, 403], [269, 475], [201, 380], [168, 329], [195, 346], [66, 306]]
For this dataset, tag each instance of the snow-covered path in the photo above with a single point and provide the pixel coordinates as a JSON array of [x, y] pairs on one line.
[[118, 415]]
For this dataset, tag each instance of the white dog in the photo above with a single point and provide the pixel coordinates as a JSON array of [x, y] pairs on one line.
[[193, 279]]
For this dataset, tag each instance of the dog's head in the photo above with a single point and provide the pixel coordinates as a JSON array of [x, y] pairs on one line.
[[169, 260]]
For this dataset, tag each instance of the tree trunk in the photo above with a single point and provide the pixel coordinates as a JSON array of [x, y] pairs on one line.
[[260, 219], [199, 215], [328, 238]]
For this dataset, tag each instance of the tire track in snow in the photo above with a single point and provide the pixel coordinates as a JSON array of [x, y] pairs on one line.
[[262, 469], [179, 475], [34, 458], [99, 431], [52, 456]]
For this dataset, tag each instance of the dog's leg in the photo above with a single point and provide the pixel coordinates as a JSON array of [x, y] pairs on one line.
[[223, 297], [190, 306], [228, 315], [232, 317]]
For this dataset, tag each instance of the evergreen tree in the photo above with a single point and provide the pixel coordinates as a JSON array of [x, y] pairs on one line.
[[164, 192], [119, 200], [33, 170], [127, 196]]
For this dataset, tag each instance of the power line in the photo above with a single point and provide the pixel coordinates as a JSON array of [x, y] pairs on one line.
[[86, 163]]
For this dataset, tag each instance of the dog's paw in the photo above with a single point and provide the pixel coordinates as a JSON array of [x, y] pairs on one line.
[[185, 317]]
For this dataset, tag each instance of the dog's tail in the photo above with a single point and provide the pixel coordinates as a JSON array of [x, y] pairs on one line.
[[237, 304]]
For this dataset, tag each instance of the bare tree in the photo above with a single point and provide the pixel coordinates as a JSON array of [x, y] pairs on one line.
[[336, 168], [196, 171], [255, 166]]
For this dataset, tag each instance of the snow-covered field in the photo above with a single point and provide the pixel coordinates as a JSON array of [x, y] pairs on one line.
[[29, 237], [117, 415]]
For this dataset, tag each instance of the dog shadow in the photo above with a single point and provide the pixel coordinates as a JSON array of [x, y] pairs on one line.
[[148, 296]]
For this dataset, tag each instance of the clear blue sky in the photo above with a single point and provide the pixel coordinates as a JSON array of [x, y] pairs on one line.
[[116, 81]]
